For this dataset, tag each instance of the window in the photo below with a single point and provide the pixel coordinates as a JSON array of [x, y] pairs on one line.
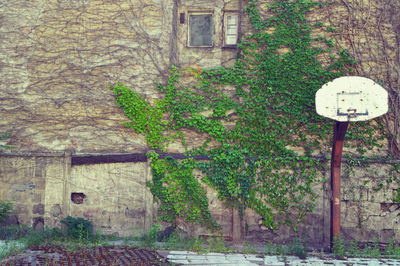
[[231, 28], [200, 30]]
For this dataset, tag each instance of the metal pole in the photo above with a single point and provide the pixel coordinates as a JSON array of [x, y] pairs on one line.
[[339, 132]]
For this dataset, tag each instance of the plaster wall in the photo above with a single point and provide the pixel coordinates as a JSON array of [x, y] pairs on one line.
[[115, 197]]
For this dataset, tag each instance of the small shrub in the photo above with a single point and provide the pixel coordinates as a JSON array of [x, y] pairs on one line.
[[78, 228], [6, 209], [35, 239], [99, 239]]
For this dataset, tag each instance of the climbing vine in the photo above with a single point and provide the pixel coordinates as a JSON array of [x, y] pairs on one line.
[[264, 161], [3, 136]]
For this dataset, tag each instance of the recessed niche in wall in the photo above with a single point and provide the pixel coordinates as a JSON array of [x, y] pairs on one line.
[[77, 198]]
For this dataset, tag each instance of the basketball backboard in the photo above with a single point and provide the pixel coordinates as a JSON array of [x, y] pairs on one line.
[[351, 99]]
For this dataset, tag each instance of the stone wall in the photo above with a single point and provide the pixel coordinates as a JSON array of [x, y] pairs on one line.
[[114, 197], [57, 61], [368, 209], [26, 181]]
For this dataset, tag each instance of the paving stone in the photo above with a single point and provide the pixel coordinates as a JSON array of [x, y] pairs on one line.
[[230, 264], [177, 257], [182, 252], [215, 254], [220, 259], [273, 261], [199, 261], [179, 261], [253, 257]]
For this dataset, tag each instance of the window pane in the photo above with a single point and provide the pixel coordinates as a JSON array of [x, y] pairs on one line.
[[231, 29], [232, 20], [200, 30]]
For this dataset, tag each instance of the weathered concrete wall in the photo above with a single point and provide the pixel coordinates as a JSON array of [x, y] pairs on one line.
[[116, 198]]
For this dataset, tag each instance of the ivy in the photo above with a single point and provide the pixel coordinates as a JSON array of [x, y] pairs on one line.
[[179, 193], [256, 163], [3, 136]]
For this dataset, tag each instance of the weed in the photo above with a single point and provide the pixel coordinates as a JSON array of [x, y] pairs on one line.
[[137, 234], [299, 249], [270, 249], [78, 228], [353, 249], [197, 245], [6, 209], [216, 244], [248, 248], [375, 251], [99, 239], [392, 249], [151, 237], [13, 232], [37, 238], [338, 247], [174, 242], [275, 249], [10, 248]]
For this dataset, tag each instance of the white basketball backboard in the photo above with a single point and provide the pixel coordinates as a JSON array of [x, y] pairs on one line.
[[351, 99]]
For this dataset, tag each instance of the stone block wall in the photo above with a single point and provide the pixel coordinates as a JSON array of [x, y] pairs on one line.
[[57, 61], [368, 208], [115, 198], [25, 181]]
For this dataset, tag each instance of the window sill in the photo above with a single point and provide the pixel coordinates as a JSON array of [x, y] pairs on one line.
[[231, 46]]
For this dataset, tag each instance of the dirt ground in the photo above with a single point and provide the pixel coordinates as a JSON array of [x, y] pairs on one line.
[[113, 255]]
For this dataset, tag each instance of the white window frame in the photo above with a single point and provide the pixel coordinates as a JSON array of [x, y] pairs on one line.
[[231, 30], [190, 13]]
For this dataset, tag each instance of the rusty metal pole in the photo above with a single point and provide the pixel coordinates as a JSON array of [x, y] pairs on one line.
[[339, 132]]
